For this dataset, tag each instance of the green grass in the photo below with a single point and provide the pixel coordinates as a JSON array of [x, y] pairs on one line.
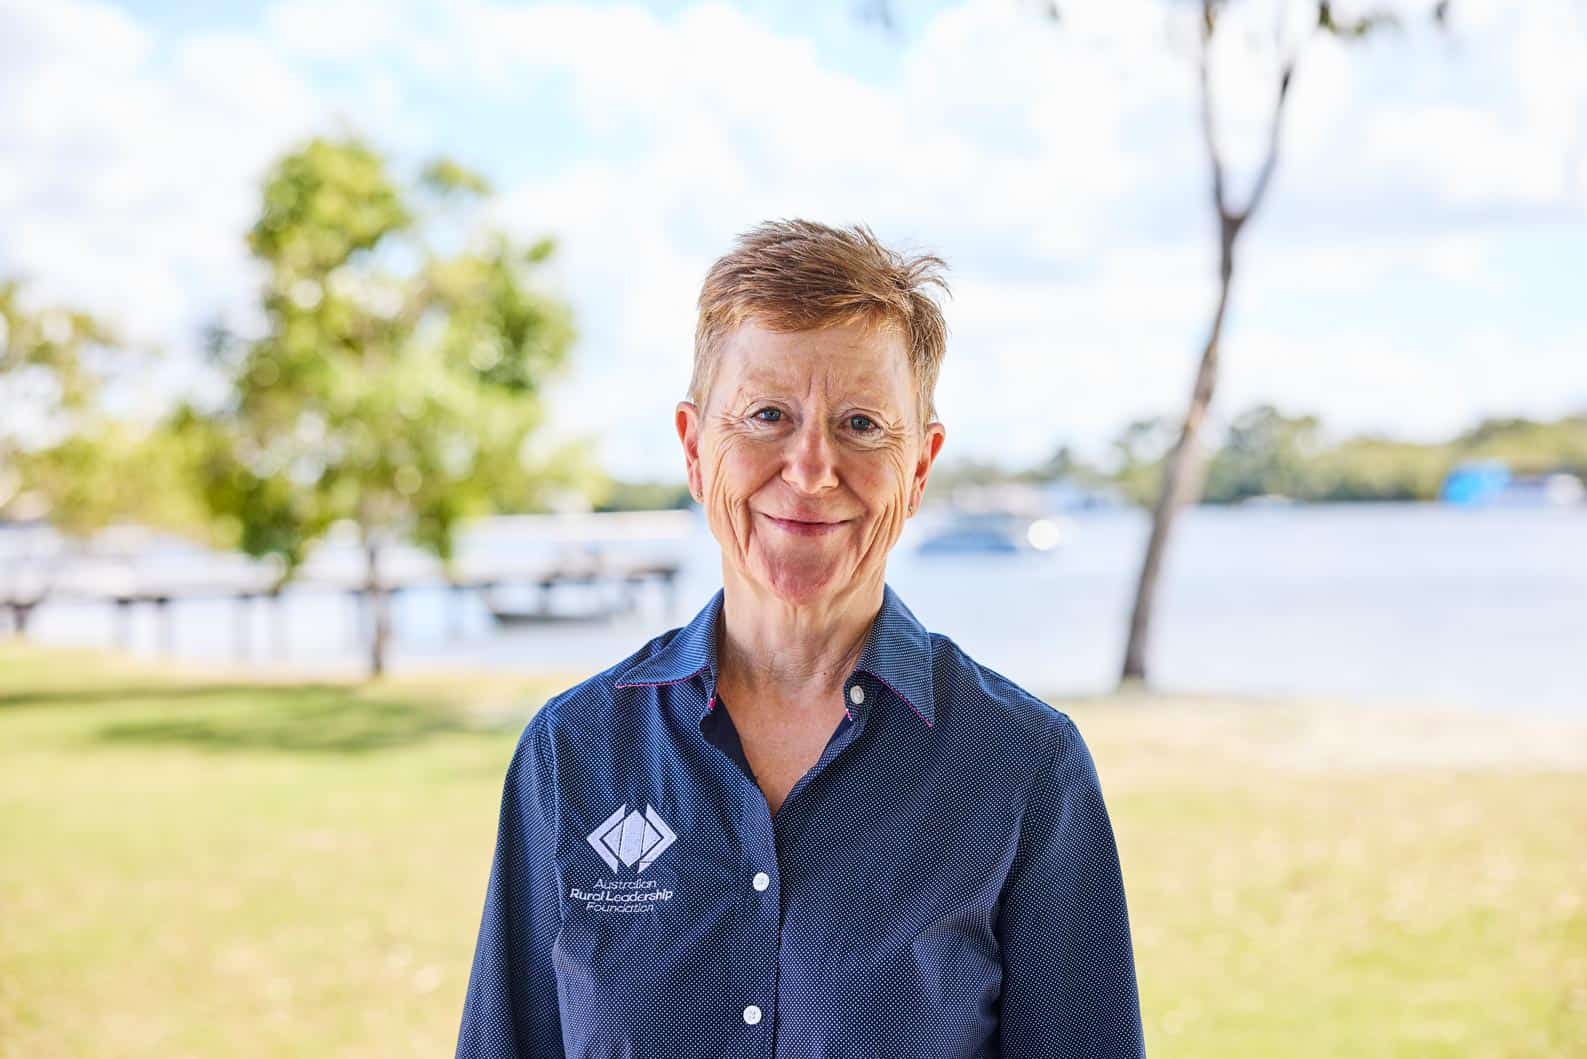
[[205, 866]]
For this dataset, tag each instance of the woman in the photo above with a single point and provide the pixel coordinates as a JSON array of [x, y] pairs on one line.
[[801, 825]]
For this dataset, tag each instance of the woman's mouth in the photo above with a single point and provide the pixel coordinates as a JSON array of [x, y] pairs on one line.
[[803, 529]]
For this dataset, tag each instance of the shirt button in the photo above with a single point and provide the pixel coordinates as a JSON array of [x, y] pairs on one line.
[[761, 880], [752, 1014], [856, 694]]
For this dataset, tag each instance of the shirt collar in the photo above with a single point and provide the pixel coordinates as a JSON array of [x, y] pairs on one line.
[[897, 653]]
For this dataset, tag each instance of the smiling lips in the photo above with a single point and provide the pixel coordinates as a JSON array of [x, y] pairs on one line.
[[802, 528]]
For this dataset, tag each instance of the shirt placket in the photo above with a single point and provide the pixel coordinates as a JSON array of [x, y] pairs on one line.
[[768, 842]]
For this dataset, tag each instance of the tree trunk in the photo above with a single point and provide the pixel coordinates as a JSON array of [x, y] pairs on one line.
[[21, 611], [1182, 469], [379, 611]]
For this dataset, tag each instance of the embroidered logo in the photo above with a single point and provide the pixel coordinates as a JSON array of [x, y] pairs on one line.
[[629, 838]]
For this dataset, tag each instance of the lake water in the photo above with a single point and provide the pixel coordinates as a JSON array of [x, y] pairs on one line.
[[1380, 603]]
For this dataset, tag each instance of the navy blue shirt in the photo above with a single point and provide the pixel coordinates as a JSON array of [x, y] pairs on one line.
[[942, 882]]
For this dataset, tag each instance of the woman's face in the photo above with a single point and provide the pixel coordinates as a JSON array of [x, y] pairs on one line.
[[809, 455]]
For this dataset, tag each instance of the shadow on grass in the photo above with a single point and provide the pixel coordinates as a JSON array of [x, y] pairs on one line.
[[297, 719], [125, 694]]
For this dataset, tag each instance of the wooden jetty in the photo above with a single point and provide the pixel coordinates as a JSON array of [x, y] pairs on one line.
[[622, 580], [628, 580], [502, 561]]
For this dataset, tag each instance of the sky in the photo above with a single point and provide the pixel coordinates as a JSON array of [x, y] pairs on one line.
[[1420, 261]]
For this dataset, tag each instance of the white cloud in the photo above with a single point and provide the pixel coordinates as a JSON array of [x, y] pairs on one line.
[[1058, 168], [135, 165], [348, 29], [1425, 391]]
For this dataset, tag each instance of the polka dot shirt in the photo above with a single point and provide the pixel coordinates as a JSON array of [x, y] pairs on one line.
[[942, 882]]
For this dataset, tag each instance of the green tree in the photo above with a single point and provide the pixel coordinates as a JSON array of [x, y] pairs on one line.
[[1379, 468], [47, 386], [1139, 450], [64, 460], [398, 382], [1529, 446], [616, 494], [1265, 453]]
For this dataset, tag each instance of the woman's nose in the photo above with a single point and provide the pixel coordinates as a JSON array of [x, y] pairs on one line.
[[809, 466]]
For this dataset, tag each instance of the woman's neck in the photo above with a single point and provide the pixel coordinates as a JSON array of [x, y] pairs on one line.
[[779, 653]]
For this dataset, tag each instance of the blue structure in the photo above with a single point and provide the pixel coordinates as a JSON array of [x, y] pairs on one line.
[[1475, 482]]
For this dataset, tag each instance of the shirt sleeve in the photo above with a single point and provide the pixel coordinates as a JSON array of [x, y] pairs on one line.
[[1069, 986], [511, 1011]]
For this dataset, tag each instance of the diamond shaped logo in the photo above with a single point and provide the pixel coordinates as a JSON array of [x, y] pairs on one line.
[[630, 838]]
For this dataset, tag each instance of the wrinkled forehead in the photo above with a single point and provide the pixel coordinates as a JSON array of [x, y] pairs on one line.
[[856, 361]]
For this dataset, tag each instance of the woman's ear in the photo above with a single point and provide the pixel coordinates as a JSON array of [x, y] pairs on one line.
[[687, 420], [930, 445]]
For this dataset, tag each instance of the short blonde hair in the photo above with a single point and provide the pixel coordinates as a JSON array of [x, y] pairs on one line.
[[797, 275]]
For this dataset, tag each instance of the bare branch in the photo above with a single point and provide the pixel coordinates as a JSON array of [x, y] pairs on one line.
[[1355, 28], [1265, 175], [1209, 19], [879, 13]]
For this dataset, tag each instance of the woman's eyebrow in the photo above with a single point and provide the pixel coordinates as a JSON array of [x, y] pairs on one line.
[[760, 383]]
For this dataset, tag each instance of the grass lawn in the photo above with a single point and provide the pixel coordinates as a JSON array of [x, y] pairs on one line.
[[212, 866]]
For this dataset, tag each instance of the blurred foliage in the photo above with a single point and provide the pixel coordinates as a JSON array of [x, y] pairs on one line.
[[45, 370], [1371, 468], [1269, 453], [446, 177], [50, 344], [397, 382], [1530, 446], [1265, 452], [616, 494], [947, 475], [63, 456], [116, 471]]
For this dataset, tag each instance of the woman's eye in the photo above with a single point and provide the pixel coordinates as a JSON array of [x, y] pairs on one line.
[[863, 424], [776, 414]]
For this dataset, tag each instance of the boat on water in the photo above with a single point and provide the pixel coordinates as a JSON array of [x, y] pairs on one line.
[[992, 533], [581, 585], [592, 608], [1484, 483]]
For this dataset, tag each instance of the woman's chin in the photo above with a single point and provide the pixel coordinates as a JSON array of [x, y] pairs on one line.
[[800, 583]]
